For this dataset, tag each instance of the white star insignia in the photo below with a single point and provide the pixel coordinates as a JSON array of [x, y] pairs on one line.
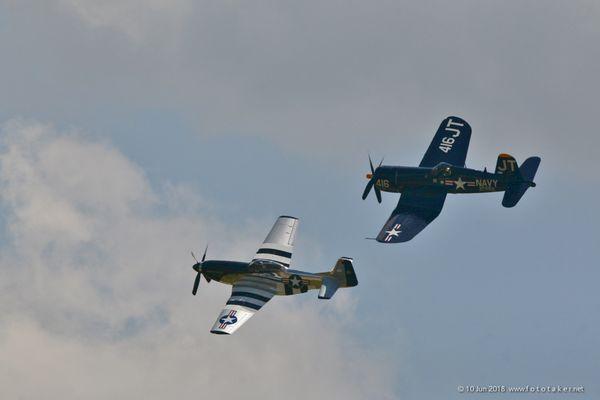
[[227, 320], [393, 232], [295, 281], [460, 184]]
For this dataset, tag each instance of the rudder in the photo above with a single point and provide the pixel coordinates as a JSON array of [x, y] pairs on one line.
[[344, 272], [342, 275]]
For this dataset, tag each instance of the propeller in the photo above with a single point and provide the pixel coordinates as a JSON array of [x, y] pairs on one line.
[[198, 267], [372, 179]]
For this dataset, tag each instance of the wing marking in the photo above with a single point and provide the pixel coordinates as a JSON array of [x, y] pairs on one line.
[[415, 210], [279, 243], [450, 143], [248, 295]]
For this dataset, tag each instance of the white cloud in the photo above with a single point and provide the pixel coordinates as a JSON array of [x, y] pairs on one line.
[[95, 291]]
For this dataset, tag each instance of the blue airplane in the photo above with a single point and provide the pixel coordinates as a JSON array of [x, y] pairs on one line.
[[442, 171]]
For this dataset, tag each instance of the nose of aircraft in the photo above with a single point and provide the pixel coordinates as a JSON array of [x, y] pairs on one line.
[[371, 178]]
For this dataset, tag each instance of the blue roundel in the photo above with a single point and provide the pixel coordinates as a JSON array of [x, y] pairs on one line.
[[228, 320]]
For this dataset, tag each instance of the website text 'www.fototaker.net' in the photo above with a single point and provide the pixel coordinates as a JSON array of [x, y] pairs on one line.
[[551, 389]]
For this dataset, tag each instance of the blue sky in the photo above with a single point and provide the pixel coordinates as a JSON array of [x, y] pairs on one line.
[[134, 132]]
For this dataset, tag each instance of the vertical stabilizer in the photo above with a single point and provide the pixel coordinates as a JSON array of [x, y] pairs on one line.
[[342, 275], [506, 165]]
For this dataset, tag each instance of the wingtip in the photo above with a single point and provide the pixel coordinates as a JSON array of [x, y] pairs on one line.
[[219, 332], [457, 118], [395, 240]]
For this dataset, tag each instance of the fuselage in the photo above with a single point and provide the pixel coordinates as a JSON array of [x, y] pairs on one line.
[[288, 281], [453, 179]]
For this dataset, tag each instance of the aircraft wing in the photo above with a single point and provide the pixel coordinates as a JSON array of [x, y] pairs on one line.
[[450, 144], [279, 243], [415, 210], [248, 295]]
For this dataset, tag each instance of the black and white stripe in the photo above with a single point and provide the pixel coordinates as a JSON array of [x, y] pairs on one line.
[[275, 252], [252, 292], [279, 243]]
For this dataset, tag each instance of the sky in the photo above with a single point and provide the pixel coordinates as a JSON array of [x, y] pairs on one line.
[[134, 131]]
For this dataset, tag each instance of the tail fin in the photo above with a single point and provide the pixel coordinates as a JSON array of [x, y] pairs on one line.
[[342, 275], [506, 165], [516, 190]]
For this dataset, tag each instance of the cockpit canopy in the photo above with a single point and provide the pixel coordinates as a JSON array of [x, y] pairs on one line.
[[261, 265], [442, 169]]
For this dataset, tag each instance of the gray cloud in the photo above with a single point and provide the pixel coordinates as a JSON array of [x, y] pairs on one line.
[[333, 77], [136, 19]]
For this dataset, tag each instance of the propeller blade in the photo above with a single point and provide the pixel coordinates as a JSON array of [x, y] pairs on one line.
[[372, 181], [378, 194], [204, 255], [196, 283], [367, 189], [194, 257], [377, 191]]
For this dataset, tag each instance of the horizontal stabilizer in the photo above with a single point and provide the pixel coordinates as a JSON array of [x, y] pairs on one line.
[[515, 191], [529, 168], [328, 287], [513, 194]]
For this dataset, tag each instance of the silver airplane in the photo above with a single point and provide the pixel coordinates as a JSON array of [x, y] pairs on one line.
[[267, 275]]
